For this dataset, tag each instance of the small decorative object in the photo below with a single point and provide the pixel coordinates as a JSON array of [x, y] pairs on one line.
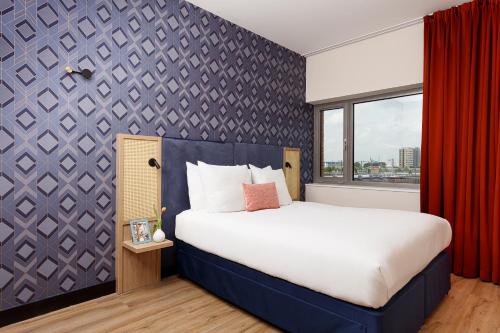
[[140, 231], [158, 234]]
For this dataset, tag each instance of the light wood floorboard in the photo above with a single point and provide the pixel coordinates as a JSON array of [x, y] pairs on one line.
[[176, 305], [471, 306]]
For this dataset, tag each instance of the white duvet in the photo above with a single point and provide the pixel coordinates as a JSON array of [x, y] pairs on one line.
[[363, 256]]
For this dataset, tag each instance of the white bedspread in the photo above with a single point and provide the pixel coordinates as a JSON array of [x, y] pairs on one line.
[[363, 256]]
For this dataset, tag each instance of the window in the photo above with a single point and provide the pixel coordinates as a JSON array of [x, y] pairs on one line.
[[332, 130], [373, 140]]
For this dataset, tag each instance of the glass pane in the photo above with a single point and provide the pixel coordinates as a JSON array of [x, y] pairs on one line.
[[387, 136], [332, 146]]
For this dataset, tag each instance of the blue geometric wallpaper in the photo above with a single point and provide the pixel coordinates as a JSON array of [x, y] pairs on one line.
[[161, 67]]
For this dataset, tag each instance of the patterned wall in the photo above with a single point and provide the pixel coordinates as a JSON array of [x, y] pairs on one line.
[[162, 68]]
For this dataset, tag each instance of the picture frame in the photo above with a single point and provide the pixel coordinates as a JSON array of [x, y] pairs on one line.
[[140, 231]]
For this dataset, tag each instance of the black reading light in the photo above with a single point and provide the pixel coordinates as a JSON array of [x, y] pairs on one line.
[[154, 163], [86, 73]]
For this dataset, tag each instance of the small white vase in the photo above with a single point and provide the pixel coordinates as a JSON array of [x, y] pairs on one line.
[[159, 236]]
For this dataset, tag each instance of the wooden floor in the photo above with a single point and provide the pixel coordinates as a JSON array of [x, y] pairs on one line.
[[176, 305]]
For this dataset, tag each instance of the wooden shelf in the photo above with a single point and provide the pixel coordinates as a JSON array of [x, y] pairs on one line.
[[151, 246]]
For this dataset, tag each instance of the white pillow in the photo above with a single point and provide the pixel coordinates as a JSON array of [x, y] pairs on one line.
[[223, 186], [254, 167], [195, 187], [261, 176]]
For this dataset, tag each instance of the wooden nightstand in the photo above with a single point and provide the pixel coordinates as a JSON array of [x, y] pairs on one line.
[[140, 264], [138, 193], [152, 246]]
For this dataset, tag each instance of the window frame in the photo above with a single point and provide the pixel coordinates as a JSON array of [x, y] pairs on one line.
[[347, 103]]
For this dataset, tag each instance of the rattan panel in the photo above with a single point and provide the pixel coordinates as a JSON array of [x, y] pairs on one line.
[[140, 181]]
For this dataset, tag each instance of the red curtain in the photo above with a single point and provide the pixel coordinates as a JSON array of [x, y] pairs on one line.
[[460, 173]]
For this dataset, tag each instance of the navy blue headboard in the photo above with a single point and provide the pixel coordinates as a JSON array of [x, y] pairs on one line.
[[175, 153], [258, 155]]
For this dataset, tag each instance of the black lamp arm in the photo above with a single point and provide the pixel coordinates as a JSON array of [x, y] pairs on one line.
[[86, 73], [154, 163]]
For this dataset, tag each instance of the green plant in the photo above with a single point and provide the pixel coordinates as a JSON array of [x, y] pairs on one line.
[[158, 223]]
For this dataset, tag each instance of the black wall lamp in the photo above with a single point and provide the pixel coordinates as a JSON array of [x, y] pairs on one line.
[[154, 163], [86, 73]]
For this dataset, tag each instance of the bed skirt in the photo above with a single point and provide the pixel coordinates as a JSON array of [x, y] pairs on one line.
[[298, 309]]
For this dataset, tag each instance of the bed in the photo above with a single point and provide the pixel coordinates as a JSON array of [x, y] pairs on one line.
[[366, 271]]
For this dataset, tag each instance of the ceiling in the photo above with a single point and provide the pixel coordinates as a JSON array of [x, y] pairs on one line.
[[309, 26]]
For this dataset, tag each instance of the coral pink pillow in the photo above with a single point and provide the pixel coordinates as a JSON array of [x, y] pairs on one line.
[[260, 196]]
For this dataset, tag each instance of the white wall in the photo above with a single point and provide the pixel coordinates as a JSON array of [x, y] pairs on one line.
[[368, 197], [390, 60]]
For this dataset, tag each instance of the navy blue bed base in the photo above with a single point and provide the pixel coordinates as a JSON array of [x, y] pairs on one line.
[[288, 306], [297, 309]]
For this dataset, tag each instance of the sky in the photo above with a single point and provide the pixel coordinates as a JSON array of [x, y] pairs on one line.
[[380, 129]]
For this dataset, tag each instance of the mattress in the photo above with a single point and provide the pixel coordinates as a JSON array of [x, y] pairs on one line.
[[362, 256]]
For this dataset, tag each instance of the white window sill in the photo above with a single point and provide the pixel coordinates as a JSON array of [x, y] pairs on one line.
[[365, 188]]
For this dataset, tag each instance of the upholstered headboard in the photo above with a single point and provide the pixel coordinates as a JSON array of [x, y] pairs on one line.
[[175, 153], [258, 155]]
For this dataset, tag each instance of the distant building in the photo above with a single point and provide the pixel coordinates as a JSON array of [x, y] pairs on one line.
[[409, 157], [374, 164], [374, 170], [332, 164]]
